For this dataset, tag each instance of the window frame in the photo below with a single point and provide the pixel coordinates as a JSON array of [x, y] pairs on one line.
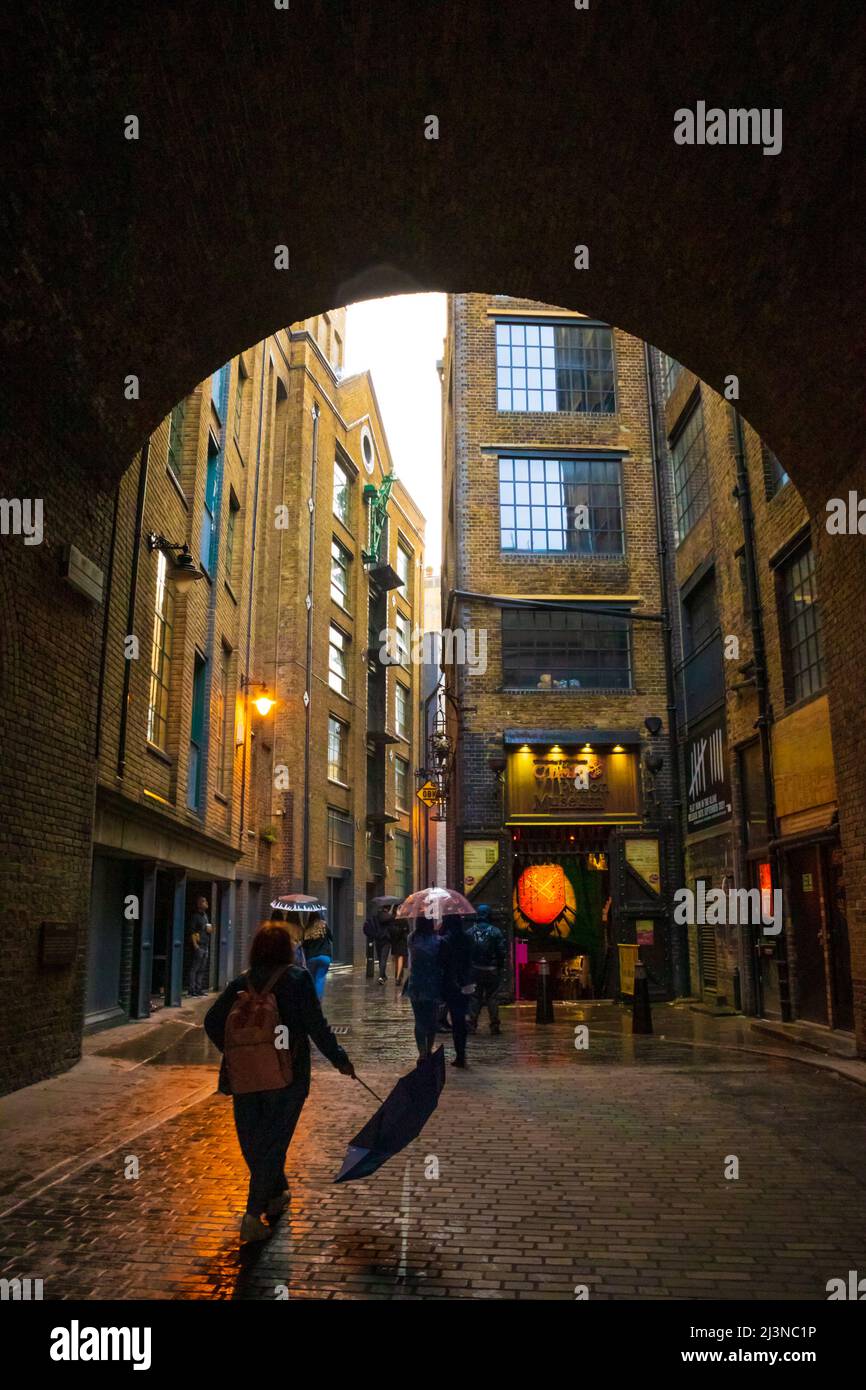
[[685, 516], [343, 672], [343, 561], [525, 481], [403, 778], [159, 693], [403, 731], [521, 622], [793, 671], [341, 765], [515, 390], [345, 488]]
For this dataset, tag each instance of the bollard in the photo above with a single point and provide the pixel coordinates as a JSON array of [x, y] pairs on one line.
[[543, 1000], [371, 959], [738, 990], [641, 1013]]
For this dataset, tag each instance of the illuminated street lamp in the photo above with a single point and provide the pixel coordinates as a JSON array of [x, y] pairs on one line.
[[264, 702], [183, 571]]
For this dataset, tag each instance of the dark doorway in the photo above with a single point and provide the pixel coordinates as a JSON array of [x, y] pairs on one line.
[[340, 929], [838, 944], [804, 900], [163, 917]]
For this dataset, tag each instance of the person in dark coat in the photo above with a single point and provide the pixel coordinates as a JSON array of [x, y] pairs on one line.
[[424, 985], [265, 1120], [381, 922], [489, 953], [457, 981]]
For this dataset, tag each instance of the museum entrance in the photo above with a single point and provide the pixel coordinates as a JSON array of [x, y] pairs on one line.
[[561, 907]]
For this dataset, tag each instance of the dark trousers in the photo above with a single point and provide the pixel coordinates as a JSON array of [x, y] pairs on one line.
[[457, 1002], [487, 984], [265, 1122], [426, 1017], [198, 969], [383, 951]]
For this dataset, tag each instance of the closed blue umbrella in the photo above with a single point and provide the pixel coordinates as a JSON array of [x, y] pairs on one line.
[[399, 1119]]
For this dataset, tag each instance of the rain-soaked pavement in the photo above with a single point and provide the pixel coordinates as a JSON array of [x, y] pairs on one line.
[[547, 1167]]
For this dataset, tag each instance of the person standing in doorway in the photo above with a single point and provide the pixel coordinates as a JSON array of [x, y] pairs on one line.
[[488, 963], [318, 948], [200, 932], [457, 981]]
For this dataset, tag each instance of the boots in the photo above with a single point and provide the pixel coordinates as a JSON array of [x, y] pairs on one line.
[[253, 1228]]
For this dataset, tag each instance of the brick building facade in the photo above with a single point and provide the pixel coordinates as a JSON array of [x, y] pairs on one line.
[[761, 808], [552, 552]]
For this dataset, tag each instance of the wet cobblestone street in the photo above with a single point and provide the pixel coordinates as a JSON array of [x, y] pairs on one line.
[[556, 1168]]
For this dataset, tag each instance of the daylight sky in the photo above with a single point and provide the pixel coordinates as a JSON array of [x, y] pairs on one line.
[[399, 340]]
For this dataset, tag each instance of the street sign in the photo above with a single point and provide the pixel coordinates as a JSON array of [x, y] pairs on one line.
[[429, 793]]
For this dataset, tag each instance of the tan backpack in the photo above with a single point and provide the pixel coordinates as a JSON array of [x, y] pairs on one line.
[[254, 1062]]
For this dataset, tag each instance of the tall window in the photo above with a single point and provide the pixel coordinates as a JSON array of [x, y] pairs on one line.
[[689, 462], [240, 391], [403, 630], [208, 536], [223, 740], [564, 366], [175, 439], [402, 864], [401, 783], [160, 657], [340, 839], [800, 620], [218, 383], [197, 727], [341, 493], [776, 475], [338, 668], [231, 527], [561, 505], [549, 649], [338, 749], [340, 561], [401, 710], [404, 570], [671, 369]]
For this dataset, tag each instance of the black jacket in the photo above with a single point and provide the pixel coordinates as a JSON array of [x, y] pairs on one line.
[[299, 1010], [489, 949], [455, 958]]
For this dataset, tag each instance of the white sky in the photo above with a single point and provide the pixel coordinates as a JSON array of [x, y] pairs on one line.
[[399, 340]]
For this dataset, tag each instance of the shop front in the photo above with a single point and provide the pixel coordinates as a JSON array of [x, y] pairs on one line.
[[572, 800]]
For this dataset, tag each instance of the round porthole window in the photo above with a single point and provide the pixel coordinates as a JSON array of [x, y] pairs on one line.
[[368, 452]]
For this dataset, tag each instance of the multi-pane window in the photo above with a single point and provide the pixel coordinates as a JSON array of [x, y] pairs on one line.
[[671, 369], [341, 839], [160, 657], [239, 400], [341, 493], [401, 782], [218, 389], [340, 561], [338, 666], [231, 529], [691, 480], [777, 477], [556, 649], [403, 631], [564, 366], [401, 710], [223, 743], [338, 750], [197, 732], [561, 505], [404, 570], [208, 535], [800, 618], [402, 864], [175, 439]]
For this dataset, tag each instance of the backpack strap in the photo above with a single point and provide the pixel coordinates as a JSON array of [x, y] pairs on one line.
[[270, 982]]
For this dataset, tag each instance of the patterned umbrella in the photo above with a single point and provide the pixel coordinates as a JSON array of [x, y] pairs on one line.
[[436, 903], [299, 902]]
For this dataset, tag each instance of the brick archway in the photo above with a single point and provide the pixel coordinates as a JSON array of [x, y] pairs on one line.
[[305, 127]]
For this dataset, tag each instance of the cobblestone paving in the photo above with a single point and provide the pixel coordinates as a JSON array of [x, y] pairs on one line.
[[556, 1168]]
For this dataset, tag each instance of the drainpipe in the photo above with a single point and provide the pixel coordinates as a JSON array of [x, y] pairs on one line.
[[130, 612], [109, 580], [309, 675], [680, 962], [252, 583], [743, 494]]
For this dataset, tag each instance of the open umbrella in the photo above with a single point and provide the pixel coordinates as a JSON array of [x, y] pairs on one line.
[[399, 1119], [376, 904], [436, 903], [299, 902]]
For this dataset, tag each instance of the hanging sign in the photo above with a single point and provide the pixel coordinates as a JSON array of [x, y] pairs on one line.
[[429, 793]]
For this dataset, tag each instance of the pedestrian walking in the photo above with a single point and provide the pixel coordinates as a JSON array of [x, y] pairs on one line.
[[318, 947], [378, 929], [488, 964], [424, 983], [262, 1024], [457, 981], [200, 932], [399, 939]]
